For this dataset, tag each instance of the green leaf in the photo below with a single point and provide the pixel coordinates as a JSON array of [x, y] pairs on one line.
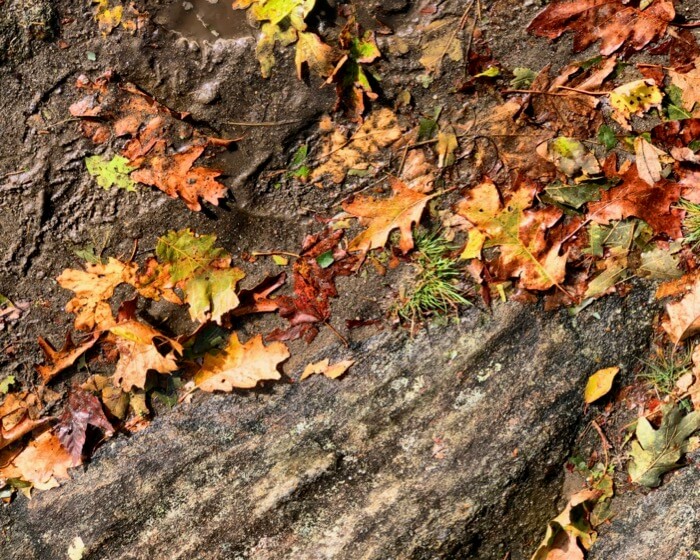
[[325, 260], [656, 452], [203, 272], [109, 173], [299, 156], [523, 78], [6, 383], [490, 72], [573, 196], [606, 136]]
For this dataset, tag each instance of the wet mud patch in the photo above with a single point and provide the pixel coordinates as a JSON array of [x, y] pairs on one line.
[[204, 20]]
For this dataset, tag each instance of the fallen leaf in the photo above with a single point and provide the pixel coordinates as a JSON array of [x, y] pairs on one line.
[[43, 462], [684, 315], [83, 409], [19, 415], [634, 98], [403, 209], [656, 452], [109, 173], [599, 384], [647, 161], [93, 287], [241, 366], [439, 41], [615, 22], [58, 360], [76, 549], [323, 367]]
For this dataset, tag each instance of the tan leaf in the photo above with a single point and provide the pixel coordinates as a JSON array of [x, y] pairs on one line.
[[43, 462], [19, 415], [647, 159], [323, 367], [400, 211], [241, 366], [684, 315], [93, 287]]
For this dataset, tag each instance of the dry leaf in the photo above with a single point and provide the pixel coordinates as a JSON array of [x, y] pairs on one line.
[[323, 367], [43, 462], [58, 360], [241, 366], [684, 315], [599, 384]]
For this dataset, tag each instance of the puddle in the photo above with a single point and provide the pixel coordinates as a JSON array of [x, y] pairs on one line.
[[204, 20]]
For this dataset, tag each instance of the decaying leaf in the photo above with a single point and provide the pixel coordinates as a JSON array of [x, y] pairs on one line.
[[599, 384], [111, 14], [440, 42], [570, 532], [689, 84], [340, 154], [658, 451], [403, 209], [241, 366], [647, 160], [83, 409], [325, 368], [93, 287], [58, 360], [19, 415], [616, 23], [202, 270], [634, 98], [519, 232]]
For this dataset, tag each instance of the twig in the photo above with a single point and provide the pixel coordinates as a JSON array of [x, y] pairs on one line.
[[536, 92], [273, 253], [276, 123], [584, 91], [335, 331], [64, 121], [604, 441]]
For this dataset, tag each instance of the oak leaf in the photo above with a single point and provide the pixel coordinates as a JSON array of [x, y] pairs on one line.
[[403, 209], [93, 287], [139, 354], [202, 271], [689, 84], [58, 360], [655, 204], [241, 366], [616, 23], [43, 462], [83, 409]]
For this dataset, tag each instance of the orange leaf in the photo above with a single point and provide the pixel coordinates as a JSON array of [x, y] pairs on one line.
[[241, 366], [400, 211], [323, 367], [42, 462], [58, 360]]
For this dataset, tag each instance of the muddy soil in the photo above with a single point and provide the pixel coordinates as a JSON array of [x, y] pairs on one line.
[[198, 57]]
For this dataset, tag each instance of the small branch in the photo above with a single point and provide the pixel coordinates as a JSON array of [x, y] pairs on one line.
[[340, 336], [273, 253], [584, 91], [277, 123]]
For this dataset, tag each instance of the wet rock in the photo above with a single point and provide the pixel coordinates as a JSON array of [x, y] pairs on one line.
[[449, 445]]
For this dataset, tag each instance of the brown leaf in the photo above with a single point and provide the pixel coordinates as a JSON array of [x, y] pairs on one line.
[[241, 366], [401, 211], [19, 415], [58, 360], [42, 462], [615, 22], [634, 197], [83, 409]]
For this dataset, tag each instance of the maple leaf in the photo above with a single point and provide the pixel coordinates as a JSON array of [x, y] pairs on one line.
[[519, 232], [635, 197], [241, 366], [283, 21], [634, 98], [83, 409], [175, 176], [93, 287], [684, 315], [400, 211], [341, 154], [656, 452], [689, 84], [323, 367], [313, 286], [138, 354], [614, 22], [203, 272], [58, 360], [41, 463]]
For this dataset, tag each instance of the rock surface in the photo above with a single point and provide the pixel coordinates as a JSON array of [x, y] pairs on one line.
[[450, 445]]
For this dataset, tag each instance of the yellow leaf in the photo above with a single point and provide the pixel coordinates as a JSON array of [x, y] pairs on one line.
[[474, 245], [315, 53], [441, 42], [599, 384], [241, 366], [634, 98]]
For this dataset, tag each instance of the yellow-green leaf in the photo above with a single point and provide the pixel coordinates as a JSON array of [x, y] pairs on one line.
[[599, 384]]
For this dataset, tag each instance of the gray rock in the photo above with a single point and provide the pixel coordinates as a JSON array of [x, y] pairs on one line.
[[449, 445]]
